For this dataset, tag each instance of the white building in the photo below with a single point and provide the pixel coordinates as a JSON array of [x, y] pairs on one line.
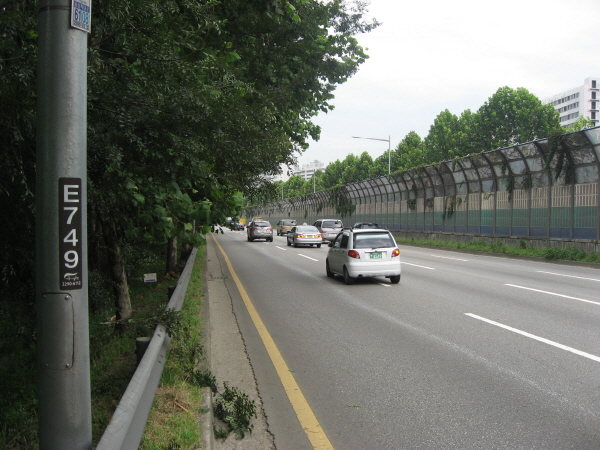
[[579, 101], [308, 170]]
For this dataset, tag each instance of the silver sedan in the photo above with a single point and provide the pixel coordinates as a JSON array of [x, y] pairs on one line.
[[304, 235]]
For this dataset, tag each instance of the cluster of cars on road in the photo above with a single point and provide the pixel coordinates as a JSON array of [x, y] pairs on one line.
[[362, 251]]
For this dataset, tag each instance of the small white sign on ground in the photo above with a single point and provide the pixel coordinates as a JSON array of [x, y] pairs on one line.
[[150, 278]]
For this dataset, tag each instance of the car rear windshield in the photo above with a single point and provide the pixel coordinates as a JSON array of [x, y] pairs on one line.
[[262, 224], [332, 224], [289, 222], [308, 229], [373, 240]]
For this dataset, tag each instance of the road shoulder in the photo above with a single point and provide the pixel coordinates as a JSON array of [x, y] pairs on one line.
[[227, 355]]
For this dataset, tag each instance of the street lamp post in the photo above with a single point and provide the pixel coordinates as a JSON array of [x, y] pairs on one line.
[[388, 140]]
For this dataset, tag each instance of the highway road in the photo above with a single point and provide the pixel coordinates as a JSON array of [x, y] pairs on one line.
[[467, 352]]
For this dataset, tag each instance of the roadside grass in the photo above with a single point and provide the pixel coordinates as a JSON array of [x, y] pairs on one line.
[[174, 421], [18, 399], [550, 253], [112, 355]]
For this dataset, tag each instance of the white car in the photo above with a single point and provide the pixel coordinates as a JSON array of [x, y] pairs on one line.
[[364, 253], [304, 235], [329, 228]]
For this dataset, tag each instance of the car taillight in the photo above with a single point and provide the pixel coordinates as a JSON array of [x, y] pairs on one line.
[[254, 228], [269, 229], [353, 254], [300, 236], [396, 252], [319, 236]]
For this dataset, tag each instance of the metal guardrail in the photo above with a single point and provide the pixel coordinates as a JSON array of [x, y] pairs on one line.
[[126, 427]]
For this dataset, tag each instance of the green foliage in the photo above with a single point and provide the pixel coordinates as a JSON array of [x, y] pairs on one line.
[[236, 410], [512, 116], [205, 379], [409, 153], [168, 426], [570, 254], [190, 105], [558, 162], [444, 139], [18, 399], [449, 207], [520, 249], [18, 69], [581, 123]]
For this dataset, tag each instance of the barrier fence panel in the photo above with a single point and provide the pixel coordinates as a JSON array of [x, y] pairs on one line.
[[537, 190]]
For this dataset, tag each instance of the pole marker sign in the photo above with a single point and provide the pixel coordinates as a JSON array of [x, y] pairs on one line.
[[81, 15], [69, 233]]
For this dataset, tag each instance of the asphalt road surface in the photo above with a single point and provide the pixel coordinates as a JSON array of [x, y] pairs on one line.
[[467, 352]]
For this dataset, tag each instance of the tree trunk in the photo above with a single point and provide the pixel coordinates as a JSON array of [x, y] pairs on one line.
[[172, 254], [119, 276]]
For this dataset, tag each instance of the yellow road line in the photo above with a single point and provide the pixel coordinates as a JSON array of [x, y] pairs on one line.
[[307, 418]]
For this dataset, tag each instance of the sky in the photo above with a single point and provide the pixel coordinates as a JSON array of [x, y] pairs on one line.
[[428, 56]]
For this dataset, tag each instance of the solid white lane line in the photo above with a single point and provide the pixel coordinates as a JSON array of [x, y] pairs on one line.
[[307, 257], [569, 276], [447, 257], [553, 293], [416, 265], [537, 338]]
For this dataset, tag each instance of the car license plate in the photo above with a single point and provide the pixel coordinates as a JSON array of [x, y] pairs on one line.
[[375, 255]]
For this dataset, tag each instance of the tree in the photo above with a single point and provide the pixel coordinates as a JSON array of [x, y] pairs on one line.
[[18, 60], [190, 103], [513, 116], [316, 181], [333, 175], [293, 186], [231, 87], [444, 139], [409, 153], [357, 168]]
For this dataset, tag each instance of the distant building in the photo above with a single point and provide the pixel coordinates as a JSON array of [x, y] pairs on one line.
[[579, 101], [308, 170]]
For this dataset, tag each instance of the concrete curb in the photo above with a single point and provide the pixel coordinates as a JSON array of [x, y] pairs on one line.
[[207, 416]]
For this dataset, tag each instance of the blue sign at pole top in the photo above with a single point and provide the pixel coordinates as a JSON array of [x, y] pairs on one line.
[[81, 15]]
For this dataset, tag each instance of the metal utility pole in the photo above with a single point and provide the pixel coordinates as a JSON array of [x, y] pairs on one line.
[[63, 360], [388, 140]]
